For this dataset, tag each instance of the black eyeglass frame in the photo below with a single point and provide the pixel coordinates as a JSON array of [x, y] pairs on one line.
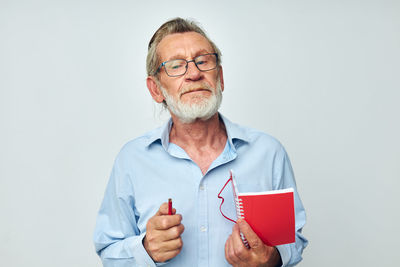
[[187, 64]]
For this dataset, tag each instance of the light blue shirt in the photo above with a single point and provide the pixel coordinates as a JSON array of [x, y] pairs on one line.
[[149, 170]]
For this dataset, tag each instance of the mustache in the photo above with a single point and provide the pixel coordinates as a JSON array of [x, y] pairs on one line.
[[194, 87]]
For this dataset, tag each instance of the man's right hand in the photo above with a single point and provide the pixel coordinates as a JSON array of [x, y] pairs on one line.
[[163, 235]]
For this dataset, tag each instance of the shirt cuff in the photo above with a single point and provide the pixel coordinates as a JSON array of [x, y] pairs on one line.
[[139, 252], [285, 254]]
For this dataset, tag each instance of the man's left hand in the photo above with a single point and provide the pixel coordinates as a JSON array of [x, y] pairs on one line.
[[258, 254]]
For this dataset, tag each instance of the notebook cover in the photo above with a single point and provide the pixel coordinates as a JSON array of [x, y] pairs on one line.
[[270, 215]]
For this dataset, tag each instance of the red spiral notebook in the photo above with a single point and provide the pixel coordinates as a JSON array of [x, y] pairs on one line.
[[270, 214]]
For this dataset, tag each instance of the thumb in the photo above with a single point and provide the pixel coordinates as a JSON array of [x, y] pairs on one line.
[[255, 242], [163, 210]]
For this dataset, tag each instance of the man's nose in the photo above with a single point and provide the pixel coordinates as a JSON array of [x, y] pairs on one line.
[[193, 73]]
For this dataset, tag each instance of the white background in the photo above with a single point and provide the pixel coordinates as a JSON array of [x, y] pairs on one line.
[[321, 76]]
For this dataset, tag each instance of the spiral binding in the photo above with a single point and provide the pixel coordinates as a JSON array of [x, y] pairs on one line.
[[239, 208], [240, 214]]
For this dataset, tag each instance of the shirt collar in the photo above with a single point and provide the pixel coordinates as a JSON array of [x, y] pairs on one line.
[[234, 132]]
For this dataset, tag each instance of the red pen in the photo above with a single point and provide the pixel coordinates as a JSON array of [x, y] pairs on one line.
[[169, 206]]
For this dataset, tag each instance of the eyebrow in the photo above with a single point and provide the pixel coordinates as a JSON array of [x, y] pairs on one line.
[[198, 53]]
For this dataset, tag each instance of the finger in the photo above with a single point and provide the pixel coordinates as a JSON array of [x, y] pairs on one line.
[[173, 232], [164, 256], [163, 210], [166, 250], [159, 236], [230, 252], [166, 222], [236, 238], [171, 245], [254, 241], [240, 250], [157, 248]]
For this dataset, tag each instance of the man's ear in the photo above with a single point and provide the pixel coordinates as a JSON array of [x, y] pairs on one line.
[[154, 89], [221, 78]]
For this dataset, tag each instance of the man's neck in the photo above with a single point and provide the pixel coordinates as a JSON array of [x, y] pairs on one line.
[[199, 134], [203, 141]]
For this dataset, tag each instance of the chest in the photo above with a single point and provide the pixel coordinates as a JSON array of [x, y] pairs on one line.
[[204, 159]]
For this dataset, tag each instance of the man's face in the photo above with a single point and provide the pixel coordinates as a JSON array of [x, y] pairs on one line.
[[195, 90]]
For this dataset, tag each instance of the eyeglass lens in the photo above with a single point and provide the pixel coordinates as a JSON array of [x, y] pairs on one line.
[[178, 67]]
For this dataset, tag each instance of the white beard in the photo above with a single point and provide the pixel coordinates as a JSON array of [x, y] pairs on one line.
[[203, 108]]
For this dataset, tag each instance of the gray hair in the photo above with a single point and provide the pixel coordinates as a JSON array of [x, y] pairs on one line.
[[177, 25]]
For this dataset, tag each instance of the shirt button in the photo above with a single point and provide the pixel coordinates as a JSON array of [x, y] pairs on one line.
[[202, 187], [203, 228]]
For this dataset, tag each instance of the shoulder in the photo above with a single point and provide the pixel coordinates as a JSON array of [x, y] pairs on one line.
[[260, 136], [139, 144], [256, 138]]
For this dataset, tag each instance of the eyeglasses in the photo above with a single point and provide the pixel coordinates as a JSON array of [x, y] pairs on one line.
[[178, 67], [222, 199]]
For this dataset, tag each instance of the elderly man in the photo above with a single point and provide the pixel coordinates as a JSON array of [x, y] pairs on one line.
[[188, 160]]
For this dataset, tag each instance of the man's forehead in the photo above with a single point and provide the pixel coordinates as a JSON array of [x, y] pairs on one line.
[[183, 45]]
